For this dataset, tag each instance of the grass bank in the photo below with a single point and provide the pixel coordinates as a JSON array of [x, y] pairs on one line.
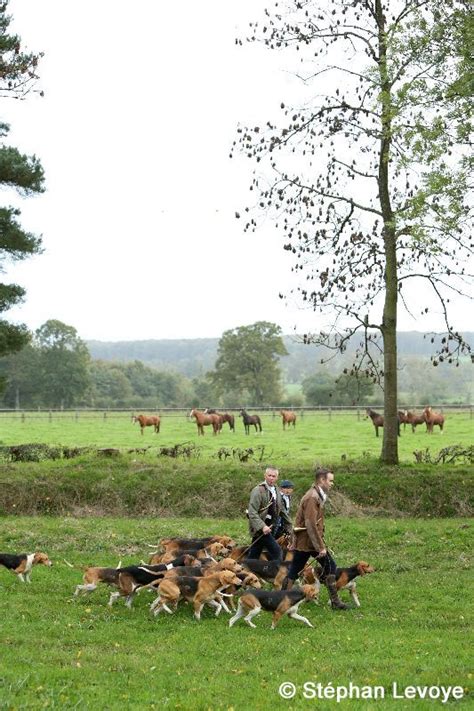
[[134, 485]]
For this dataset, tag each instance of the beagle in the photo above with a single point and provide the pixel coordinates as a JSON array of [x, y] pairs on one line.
[[272, 571], [345, 577], [135, 577], [238, 552], [198, 591], [93, 576], [212, 550], [110, 576], [248, 580], [205, 569], [280, 602], [21, 564], [178, 545], [185, 559]]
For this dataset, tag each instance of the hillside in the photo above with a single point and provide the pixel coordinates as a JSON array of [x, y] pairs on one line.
[[195, 356]]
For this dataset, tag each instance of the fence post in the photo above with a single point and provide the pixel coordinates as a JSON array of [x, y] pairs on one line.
[[358, 415], [329, 413], [76, 416], [23, 416], [105, 416], [50, 416]]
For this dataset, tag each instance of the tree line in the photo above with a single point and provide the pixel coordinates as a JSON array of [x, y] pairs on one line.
[[56, 370]]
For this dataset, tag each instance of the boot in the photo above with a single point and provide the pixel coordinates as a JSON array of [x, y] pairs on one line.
[[287, 583], [336, 603]]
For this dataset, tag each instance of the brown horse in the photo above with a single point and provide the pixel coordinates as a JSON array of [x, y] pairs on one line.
[[145, 421], [432, 419], [403, 418], [377, 420], [414, 419], [202, 420], [225, 417], [288, 417]]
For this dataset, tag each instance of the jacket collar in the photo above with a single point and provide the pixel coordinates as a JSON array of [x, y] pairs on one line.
[[320, 493]]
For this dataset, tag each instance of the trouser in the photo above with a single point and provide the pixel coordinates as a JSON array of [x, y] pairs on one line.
[[300, 558], [259, 542]]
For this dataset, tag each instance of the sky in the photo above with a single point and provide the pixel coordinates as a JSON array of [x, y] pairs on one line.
[[141, 105]]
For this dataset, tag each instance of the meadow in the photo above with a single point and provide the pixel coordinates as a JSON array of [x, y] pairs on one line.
[[62, 652], [319, 435]]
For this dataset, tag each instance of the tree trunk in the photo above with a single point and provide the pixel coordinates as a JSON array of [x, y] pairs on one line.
[[389, 323], [389, 331]]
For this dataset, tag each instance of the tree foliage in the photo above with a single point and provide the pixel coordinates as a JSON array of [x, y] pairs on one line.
[[322, 388], [20, 172], [368, 180], [247, 363], [64, 363]]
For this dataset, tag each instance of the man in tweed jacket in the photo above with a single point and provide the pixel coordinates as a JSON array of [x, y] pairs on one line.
[[265, 510], [309, 537]]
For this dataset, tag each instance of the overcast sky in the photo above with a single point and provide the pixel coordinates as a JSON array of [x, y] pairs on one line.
[[141, 106]]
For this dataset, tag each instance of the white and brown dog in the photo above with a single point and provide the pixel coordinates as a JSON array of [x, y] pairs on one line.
[[21, 564]]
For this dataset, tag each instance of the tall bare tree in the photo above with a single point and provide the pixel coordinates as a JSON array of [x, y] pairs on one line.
[[367, 181]]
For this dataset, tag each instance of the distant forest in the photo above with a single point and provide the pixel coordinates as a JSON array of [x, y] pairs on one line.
[[59, 370], [193, 358]]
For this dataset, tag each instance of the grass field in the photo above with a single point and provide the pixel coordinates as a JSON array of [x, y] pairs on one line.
[[65, 653], [316, 437]]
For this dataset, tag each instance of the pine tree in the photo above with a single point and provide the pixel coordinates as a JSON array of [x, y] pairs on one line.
[[18, 172]]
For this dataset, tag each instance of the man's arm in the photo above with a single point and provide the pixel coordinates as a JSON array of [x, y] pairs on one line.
[[312, 514], [254, 514]]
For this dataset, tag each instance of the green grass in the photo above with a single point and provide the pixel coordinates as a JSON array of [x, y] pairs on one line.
[[64, 653], [137, 483], [316, 437]]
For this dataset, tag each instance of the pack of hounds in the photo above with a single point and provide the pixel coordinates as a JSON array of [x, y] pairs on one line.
[[208, 571]]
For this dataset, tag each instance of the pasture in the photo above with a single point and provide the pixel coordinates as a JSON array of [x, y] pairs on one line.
[[61, 652], [318, 436]]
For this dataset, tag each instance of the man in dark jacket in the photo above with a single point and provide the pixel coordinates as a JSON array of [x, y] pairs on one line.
[[308, 538], [286, 490], [265, 510]]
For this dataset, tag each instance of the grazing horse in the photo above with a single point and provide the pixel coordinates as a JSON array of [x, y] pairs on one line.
[[202, 420], [225, 417], [288, 417], [251, 420], [432, 419], [377, 420], [403, 418], [414, 419], [145, 421]]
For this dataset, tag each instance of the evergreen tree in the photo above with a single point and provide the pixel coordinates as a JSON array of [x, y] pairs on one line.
[[19, 172]]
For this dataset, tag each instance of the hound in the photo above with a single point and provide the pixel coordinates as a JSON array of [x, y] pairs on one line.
[[345, 577], [280, 602], [198, 591], [21, 564]]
